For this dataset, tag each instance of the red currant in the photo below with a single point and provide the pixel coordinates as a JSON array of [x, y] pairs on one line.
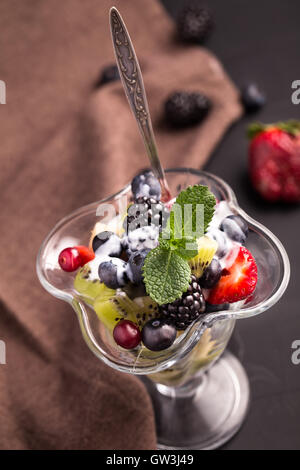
[[69, 259]]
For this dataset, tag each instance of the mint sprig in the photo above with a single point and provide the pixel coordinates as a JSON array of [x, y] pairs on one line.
[[197, 197], [166, 275], [166, 270]]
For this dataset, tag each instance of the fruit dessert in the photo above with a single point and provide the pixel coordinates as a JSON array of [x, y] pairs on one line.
[[164, 266]]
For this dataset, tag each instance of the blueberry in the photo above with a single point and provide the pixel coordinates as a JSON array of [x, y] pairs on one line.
[[109, 74], [158, 334], [235, 228], [113, 273], [216, 308], [252, 97], [143, 238], [107, 244], [135, 264], [222, 241], [211, 274], [145, 185]]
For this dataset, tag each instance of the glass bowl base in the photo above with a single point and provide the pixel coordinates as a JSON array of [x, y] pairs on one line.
[[207, 418]]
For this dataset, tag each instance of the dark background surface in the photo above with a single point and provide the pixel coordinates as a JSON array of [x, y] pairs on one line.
[[260, 41]]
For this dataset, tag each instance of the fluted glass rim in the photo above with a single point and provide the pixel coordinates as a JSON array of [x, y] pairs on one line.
[[191, 336]]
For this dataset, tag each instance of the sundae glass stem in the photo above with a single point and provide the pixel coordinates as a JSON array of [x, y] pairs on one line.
[[132, 80]]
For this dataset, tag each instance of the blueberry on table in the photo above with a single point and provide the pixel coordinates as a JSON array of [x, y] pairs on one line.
[[158, 334], [211, 275], [145, 184], [109, 74], [235, 228], [252, 97]]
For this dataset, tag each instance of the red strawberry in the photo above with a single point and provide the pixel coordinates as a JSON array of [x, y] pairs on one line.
[[274, 160], [85, 254], [237, 282]]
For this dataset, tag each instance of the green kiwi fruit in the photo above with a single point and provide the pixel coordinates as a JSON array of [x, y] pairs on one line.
[[89, 288], [206, 250]]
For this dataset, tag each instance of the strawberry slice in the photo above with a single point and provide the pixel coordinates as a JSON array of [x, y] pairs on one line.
[[237, 282], [85, 254]]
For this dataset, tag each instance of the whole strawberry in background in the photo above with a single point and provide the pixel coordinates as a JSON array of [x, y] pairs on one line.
[[274, 160]]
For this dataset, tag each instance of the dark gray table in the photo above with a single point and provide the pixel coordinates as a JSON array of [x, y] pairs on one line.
[[260, 40]]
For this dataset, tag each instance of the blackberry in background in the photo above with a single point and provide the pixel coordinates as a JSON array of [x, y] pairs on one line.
[[184, 109], [195, 23]]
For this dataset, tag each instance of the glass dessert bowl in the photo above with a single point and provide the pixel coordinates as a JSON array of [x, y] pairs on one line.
[[200, 396]]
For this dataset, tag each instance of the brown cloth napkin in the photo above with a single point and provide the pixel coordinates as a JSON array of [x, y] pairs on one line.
[[62, 146]]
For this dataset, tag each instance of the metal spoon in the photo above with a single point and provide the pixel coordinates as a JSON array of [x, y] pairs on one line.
[[133, 84]]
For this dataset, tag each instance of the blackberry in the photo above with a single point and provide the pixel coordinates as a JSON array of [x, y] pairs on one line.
[[195, 23], [145, 212], [184, 311], [109, 73], [185, 109]]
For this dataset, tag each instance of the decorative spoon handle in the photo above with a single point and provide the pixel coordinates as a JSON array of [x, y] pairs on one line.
[[133, 84]]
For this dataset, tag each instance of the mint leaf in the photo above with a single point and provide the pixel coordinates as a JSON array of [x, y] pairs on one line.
[[189, 219], [185, 247], [166, 274], [195, 201], [166, 271]]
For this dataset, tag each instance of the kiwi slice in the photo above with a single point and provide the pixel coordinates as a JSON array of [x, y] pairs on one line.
[[121, 307], [111, 310], [112, 305], [145, 309], [206, 251], [89, 288]]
